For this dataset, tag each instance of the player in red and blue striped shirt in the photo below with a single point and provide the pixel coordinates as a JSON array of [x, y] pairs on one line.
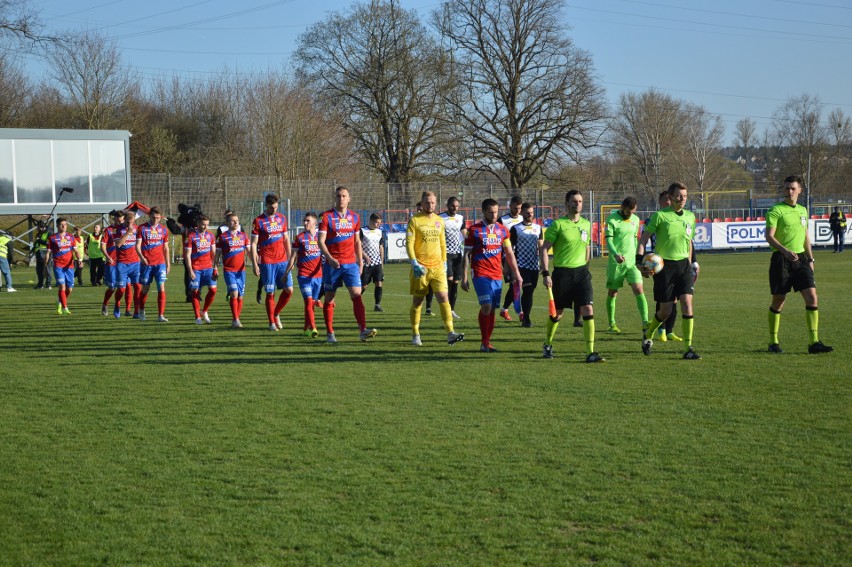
[[486, 243], [306, 252], [270, 243], [152, 247], [109, 251], [340, 242], [231, 246], [128, 266], [199, 250], [62, 249]]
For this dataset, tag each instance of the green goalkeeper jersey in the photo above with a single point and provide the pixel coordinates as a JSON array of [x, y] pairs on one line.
[[621, 236], [791, 225], [570, 240], [674, 233]]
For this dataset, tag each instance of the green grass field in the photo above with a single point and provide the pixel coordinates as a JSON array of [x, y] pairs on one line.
[[125, 442]]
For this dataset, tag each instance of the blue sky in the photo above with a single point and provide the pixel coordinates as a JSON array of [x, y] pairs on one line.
[[736, 58]]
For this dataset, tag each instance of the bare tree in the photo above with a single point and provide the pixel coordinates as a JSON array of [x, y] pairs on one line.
[[701, 163], [14, 89], [380, 68], [798, 128], [647, 133], [745, 130], [528, 99], [98, 90], [290, 137], [840, 132], [19, 22]]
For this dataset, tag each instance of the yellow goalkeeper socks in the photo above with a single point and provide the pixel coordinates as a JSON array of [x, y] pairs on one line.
[[447, 315], [414, 312]]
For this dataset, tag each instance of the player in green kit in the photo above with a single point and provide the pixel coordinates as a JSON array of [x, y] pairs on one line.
[[792, 264], [622, 230], [570, 237], [675, 228]]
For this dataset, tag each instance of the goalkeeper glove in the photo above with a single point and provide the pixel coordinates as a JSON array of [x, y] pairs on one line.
[[419, 271]]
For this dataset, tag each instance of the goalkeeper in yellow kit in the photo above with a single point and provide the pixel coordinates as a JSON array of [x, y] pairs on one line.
[[427, 250]]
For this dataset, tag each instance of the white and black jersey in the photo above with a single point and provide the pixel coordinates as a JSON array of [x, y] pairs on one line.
[[525, 240], [453, 226], [371, 242], [509, 221]]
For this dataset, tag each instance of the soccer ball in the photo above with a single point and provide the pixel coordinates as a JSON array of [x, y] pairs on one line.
[[652, 263]]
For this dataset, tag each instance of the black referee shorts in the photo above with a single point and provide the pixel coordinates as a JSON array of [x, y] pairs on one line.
[[675, 279], [785, 275], [572, 286]]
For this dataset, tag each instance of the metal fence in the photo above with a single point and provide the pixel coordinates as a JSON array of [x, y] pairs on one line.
[[396, 202]]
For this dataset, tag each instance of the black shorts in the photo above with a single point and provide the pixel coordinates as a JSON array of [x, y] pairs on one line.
[[785, 275], [675, 279], [530, 277], [572, 286], [372, 274], [455, 267]]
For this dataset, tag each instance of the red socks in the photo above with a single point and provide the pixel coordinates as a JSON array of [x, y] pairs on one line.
[[328, 315], [360, 312], [208, 300]]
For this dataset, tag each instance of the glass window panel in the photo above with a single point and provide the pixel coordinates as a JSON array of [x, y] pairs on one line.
[[109, 178], [6, 178], [71, 168], [33, 170]]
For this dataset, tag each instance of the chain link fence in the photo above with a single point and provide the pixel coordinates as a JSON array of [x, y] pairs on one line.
[[395, 201]]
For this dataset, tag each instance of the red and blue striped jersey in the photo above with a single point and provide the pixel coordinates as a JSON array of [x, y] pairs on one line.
[[233, 247], [340, 232], [201, 249], [110, 238], [486, 241], [154, 239], [270, 232], [61, 248], [126, 253], [308, 255]]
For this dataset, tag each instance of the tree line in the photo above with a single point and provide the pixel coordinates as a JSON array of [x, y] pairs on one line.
[[482, 90]]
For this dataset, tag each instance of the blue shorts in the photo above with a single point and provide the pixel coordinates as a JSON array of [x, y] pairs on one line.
[[310, 287], [272, 277], [488, 291], [64, 276], [128, 274], [346, 274], [236, 282], [203, 278], [111, 275], [148, 274]]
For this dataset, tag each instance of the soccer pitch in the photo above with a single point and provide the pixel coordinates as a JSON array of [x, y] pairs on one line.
[[126, 442]]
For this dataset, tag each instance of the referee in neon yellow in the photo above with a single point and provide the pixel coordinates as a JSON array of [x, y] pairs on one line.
[[792, 264], [675, 229], [622, 231], [570, 237], [427, 250]]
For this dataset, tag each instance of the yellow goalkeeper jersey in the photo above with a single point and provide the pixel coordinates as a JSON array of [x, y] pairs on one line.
[[426, 241]]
